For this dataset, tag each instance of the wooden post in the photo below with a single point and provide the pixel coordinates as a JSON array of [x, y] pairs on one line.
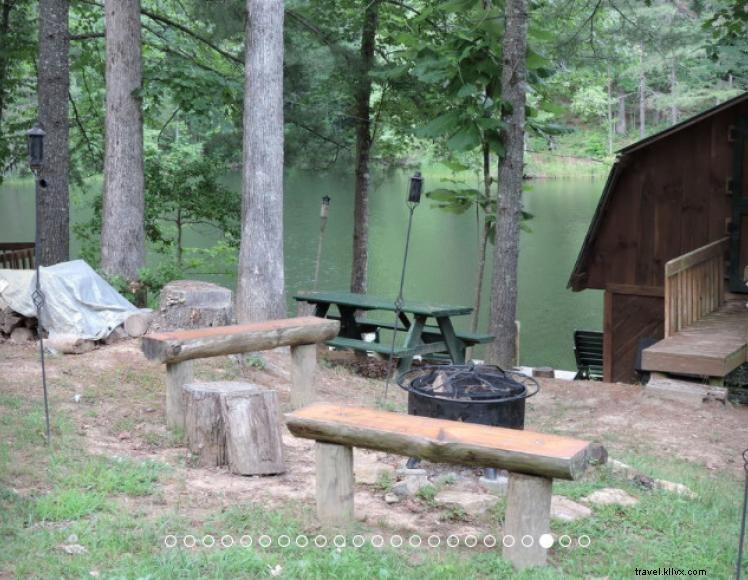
[[252, 421], [528, 515], [177, 375], [303, 365], [334, 465]]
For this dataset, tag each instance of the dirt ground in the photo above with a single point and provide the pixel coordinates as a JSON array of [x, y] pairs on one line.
[[115, 398]]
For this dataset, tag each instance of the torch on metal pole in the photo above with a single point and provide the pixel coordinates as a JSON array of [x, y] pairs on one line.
[[323, 213], [35, 137], [414, 198]]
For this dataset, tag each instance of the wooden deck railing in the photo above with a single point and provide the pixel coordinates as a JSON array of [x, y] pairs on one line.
[[17, 256], [694, 285]]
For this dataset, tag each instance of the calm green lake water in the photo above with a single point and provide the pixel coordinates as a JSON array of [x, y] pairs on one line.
[[443, 259]]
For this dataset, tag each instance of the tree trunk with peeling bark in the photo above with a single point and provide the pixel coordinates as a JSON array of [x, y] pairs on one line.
[[509, 211], [122, 228], [260, 291], [360, 265], [53, 88]]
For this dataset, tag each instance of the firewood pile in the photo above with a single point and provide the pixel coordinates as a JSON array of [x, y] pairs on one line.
[[16, 327], [19, 329]]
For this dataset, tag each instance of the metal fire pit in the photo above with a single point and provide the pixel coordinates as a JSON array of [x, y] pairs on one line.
[[482, 394]]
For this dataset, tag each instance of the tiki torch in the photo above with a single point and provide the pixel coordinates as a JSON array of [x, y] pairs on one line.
[[323, 213], [415, 187], [35, 137]]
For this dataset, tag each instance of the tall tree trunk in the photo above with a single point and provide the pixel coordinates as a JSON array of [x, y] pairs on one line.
[[673, 92], [509, 211], [53, 88], [179, 237], [260, 291], [360, 265], [621, 127], [610, 113], [122, 229], [642, 96], [5, 9]]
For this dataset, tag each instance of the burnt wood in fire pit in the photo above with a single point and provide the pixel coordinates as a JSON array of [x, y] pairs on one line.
[[481, 394]]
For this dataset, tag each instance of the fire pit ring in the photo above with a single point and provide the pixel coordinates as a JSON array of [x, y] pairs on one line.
[[482, 394]]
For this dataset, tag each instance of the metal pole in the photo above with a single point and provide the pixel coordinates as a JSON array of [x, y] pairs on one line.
[[38, 299], [738, 570], [399, 302], [415, 187]]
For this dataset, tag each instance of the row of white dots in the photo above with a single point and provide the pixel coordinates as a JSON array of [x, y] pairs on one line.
[[376, 540]]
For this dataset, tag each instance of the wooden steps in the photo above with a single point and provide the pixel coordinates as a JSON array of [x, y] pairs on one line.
[[712, 346]]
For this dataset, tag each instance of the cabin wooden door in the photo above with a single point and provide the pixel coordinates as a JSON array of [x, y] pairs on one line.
[[738, 188]]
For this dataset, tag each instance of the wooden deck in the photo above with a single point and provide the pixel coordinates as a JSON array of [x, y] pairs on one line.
[[712, 346]]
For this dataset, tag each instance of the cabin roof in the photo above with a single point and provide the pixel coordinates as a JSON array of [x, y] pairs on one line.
[[577, 279]]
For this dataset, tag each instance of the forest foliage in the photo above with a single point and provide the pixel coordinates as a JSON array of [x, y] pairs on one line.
[[613, 70]]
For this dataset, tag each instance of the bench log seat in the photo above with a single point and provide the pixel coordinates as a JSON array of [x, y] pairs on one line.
[[533, 460], [179, 348]]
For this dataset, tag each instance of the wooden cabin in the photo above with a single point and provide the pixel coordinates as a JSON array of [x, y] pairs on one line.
[[669, 246]]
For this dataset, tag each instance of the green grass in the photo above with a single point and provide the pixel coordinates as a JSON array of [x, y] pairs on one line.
[[107, 476], [662, 530], [67, 504], [49, 493]]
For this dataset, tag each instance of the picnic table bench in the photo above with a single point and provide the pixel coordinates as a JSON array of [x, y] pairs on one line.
[[532, 459], [437, 339]]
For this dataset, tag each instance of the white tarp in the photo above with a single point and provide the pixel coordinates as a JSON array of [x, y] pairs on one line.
[[78, 301]]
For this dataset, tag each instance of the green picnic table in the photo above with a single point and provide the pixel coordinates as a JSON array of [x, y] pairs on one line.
[[422, 336]]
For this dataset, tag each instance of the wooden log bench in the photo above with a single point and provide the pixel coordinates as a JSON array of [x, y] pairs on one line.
[[532, 459], [178, 349]]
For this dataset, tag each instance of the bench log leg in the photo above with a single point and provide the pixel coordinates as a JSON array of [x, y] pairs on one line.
[[334, 465], [303, 365], [177, 375], [528, 513]]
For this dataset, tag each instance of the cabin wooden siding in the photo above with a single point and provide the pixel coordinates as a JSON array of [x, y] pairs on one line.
[[664, 198], [670, 198], [628, 318]]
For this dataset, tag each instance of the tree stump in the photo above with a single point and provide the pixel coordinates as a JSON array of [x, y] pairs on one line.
[[203, 420], [252, 422], [194, 304]]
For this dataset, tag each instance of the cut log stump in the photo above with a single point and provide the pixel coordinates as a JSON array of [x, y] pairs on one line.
[[137, 324], [203, 421], [252, 422]]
